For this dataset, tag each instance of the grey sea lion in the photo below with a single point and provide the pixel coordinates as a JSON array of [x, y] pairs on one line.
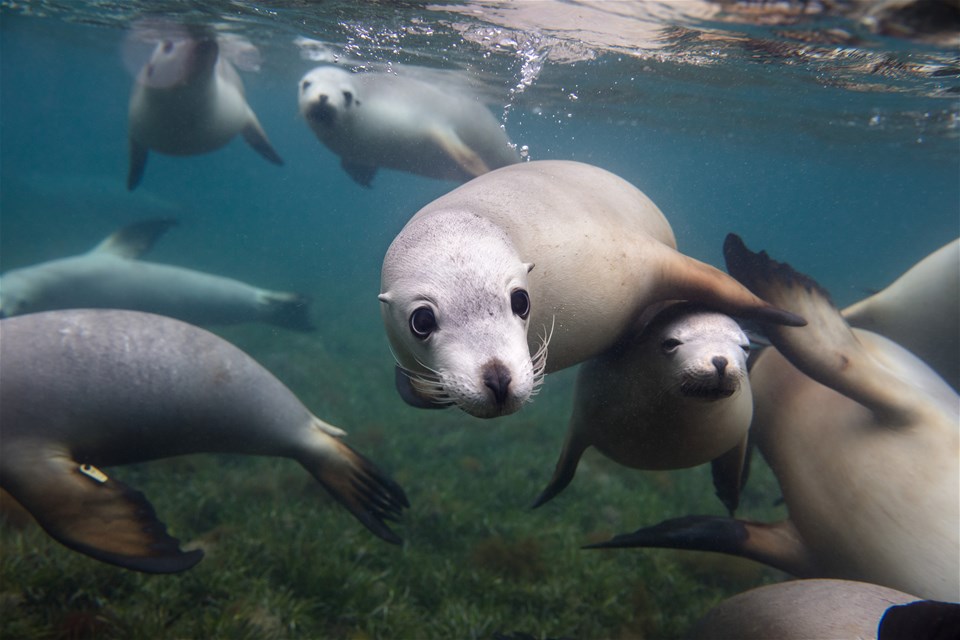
[[864, 439], [920, 310], [820, 609], [187, 100], [380, 119], [111, 277], [675, 395], [85, 389], [565, 248]]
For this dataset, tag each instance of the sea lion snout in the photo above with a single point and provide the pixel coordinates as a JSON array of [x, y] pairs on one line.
[[721, 364], [322, 112], [496, 377]]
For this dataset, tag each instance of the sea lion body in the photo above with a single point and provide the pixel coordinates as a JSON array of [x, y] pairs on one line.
[[189, 100], [590, 251], [376, 119], [82, 389]]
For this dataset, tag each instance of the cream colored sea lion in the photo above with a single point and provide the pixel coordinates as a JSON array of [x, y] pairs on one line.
[[111, 277], [674, 396], [565, 248], [380, 119], [864, 439], [188, 100], [821, 609], [920, 311], [85, 389]]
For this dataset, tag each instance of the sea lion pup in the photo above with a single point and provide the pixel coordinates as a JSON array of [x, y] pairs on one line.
[[864, 439], [675, 395], [920, 311], [111, 277], [805, 609], [379, 119], [187, 100], [84, 389], [460, 290]]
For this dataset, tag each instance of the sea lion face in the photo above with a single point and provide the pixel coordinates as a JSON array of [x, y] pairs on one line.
[[456, 310], [703, 353], [179, 61], [325, 94], [15, 297]]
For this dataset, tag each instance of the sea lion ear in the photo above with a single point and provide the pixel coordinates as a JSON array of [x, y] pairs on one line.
[[385, 298], [529, 266]]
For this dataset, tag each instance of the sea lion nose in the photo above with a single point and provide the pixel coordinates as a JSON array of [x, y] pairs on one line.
[[720, 363], [497, 378]]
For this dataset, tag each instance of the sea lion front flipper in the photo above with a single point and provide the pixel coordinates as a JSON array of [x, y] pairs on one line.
[[929, 619], [134, 240], [355, 482], [466, 158], [778, 545], [89, 512], [826, 350], [729, 471], [138, 164], [255, 136], [362, 174], [566, 467]]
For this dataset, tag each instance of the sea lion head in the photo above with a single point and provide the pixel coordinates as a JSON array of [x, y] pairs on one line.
[[326, 92], [702, 352], [456, 310]]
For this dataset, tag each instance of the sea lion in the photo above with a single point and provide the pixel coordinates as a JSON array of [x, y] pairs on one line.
[[110, 277], [864, 439], [920, 311], [380, 119], [187, 100], [675, 395], [84, 389], [459, 287], [805, 609]]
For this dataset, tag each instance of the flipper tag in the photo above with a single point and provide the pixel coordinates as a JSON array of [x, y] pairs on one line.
[[92, 472]]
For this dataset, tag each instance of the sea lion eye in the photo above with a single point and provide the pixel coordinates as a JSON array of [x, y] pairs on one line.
[[348, 97], [520, 303], [305, 85], [167, 46], [423, 322], [670, 345]]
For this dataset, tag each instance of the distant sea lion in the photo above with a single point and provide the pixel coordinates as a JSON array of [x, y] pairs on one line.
[[920, 311], [864, 439], [460, 290], [805, 609], [84, 389], [674, 396], [376, 119], [110, 277], [188, 100]]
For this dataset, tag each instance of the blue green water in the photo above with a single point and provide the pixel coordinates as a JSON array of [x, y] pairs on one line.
[[850, 175]]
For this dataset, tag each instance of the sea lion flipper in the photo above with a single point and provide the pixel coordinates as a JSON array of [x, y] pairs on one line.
[[138, 164], [357, 484], [827, 350], [134, 240], [563, 474], [729, 474], [458, 151], [362, 174], [287, 309], [256, 137], [86, 510], [929, 619]]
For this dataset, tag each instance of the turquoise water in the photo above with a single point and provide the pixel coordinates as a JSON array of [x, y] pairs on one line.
[[842, 159]]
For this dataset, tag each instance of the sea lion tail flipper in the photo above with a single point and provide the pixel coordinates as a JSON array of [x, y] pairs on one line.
[[778, 545], [827, 349], [287, 309], [138, 164], [134, 240], [563, 473], [929, 619], [255, 136], [458, 151], [687, 278], [356, 483], [89, 512]]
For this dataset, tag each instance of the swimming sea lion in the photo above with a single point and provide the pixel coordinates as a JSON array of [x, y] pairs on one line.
[[920, 311], [805, 609], [376, 119], [187, 100], [864, 439], [674, 396], [84, 389], [460, 290], [110, 277]]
